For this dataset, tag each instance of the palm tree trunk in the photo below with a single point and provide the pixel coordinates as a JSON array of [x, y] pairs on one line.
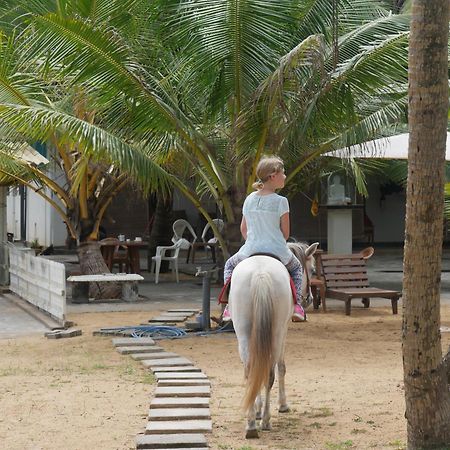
[[426, 381], [91, 263], [161, 229]]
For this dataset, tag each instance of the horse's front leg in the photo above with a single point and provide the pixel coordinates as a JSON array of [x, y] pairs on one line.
[[265, 423], [282, 404]]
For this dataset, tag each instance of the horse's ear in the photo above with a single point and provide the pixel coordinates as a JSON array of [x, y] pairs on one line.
[[311, 249]]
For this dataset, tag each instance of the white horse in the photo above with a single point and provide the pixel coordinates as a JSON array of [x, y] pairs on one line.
[[261, 305]]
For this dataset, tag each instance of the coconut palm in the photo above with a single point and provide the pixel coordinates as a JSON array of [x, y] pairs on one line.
[[205, 88], [426, 371]]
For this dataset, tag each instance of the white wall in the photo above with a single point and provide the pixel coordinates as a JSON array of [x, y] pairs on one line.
[[388, 215]]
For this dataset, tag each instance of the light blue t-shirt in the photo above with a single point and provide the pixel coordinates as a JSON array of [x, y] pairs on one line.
[[262, 214]]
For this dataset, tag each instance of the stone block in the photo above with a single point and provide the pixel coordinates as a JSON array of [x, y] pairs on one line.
[[152, 355], [178, 426], [125, 342], [179, 402], [179, 413], [167, 318], [184, 310], [185, 382], [166, 441], [139, 349], [190, 368], [182, 391], [169, 362], [180, 375]]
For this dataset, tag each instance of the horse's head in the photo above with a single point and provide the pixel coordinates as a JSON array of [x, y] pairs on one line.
[[305, 254]]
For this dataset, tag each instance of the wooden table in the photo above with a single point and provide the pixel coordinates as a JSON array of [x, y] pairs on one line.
[[133, 248], [133, 253]]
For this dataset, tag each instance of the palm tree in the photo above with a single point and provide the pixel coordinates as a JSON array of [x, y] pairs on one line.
[[211, 86], [84, 180], [426, 373]]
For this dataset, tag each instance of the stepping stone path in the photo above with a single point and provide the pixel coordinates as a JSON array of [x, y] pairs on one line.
[[179, 413]]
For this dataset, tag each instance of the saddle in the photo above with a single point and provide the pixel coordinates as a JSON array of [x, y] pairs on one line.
[[223, 294]]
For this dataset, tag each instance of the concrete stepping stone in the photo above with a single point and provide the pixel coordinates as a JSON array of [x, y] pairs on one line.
[[180, 375], [125, 342], [154, 355], [190, 368], [182, 310], [185, 382], [177, 314], [179, 402], [139, 349], [183, 391], [179, 413], [169, 362], [167, 441], [179, 426], [164, 319]]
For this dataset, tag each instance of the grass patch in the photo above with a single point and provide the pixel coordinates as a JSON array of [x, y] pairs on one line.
[[148, 378], [339, 446], [16, 371], [319, 412], [398, 445]]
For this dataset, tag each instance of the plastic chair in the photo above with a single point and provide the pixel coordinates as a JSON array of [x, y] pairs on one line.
[[161, 256], [220, 224], [180, 228]]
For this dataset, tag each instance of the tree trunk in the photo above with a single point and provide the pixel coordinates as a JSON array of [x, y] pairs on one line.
[[426, 383], [161, 230], [91, 263]]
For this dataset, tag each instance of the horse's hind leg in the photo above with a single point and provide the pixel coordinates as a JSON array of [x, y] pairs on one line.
[[265, 423], [258, 406], [283, 406], [251, 432]]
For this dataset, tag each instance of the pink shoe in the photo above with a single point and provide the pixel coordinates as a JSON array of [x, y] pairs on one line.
[[299, 315], [226, 317]]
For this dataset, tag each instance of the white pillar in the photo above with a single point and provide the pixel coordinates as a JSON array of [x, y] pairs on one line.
[[4, 265], [339, 230]]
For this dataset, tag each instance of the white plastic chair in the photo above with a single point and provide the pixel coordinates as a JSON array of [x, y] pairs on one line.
[[220, 224], [161, 256], [179, 229]]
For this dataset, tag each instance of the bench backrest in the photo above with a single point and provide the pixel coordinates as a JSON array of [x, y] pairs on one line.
[[344, 271]]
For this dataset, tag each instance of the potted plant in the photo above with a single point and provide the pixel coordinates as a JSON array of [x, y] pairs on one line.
[[36, 246]]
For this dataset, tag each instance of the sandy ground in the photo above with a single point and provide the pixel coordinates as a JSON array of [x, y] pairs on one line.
[[344, 386]]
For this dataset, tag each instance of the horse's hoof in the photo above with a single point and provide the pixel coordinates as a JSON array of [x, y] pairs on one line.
[[266, 426], [258, 416], [283, 409], [251, 434]]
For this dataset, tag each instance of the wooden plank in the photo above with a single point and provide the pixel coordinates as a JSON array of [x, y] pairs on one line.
[[346, 283], [346, 276], [362, 292], [348, 269], [346, 262]]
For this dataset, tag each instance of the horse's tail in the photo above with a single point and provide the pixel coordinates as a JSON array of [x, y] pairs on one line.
[[261, 357]]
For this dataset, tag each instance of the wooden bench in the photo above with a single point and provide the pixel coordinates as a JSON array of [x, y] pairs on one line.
[[127, 280], [346, 278]]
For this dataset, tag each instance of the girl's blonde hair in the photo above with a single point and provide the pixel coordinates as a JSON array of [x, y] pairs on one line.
[[268, 165]]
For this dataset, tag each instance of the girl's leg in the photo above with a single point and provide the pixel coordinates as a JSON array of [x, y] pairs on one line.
[[296, 271], [230, 264]]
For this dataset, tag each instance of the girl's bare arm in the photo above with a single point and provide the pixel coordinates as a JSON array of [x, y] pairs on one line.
[[285, 225], [244, 228]]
